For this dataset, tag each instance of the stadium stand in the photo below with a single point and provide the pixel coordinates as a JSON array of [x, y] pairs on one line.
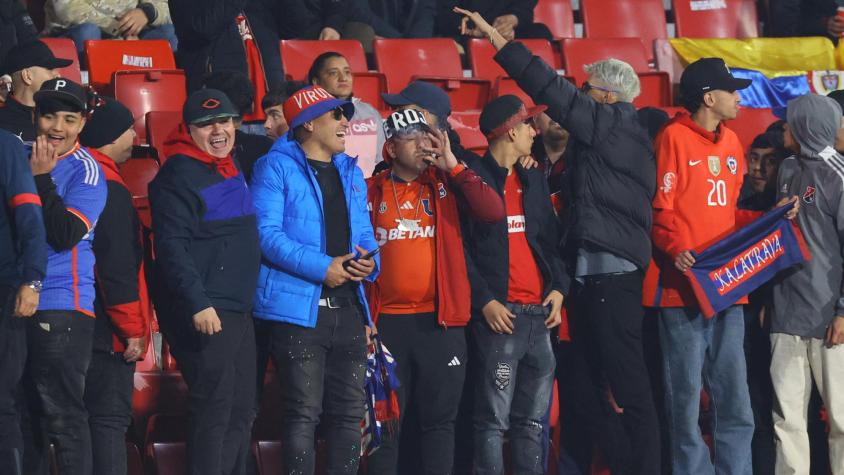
[[557, 15], [644, 19], [483, 65], [107, 56], [738, 19], [297, 55], [144, 91], [64, 48]]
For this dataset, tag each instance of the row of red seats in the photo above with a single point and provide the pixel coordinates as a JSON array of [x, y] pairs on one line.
[[646, 19]]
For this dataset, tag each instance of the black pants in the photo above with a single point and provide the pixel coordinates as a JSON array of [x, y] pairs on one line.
[[607, 337], [12, 363], [108, 397], [431, 367], [757, 352], [60, 347], [321, 369], [220, 374]]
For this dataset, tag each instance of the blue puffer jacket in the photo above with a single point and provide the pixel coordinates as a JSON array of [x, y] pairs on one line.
[[288, 202]]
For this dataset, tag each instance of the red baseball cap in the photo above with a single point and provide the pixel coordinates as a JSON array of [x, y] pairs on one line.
[[311, 102]]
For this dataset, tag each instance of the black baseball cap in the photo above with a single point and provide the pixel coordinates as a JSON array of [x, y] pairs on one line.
[[426, 95], [32, 53], [207, 104], [709, 74], [64, 91], [504, 113]]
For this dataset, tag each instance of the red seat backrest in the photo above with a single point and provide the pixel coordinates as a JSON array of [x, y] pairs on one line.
[[655, 90], [159, 126], [644, 19], [467, 127], [483, 65], [65, 48], [107, 56], [369, 86], [145, 91], [557, 15], [716, 18], [401, 59], [578, 52], [505, 85], [750, 123], [137, 173], [298, 55]]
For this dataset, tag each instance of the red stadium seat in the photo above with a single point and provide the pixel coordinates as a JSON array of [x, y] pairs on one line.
[[165, 444], [159, 126], [134, 465], [402, 59], [505, 85], [750, 123], [156, 392], [465, 94], [268, 456], [145, 91], [369, 86], [483, 66], [466, 126], [655, 90], [297, 55], [65, 48], [578, 52], [716, 18], [557, 16], [107, 56], [137, 173], [644, 19]]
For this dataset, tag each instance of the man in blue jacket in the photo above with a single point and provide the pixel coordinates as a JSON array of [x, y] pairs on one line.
[[314, 229]]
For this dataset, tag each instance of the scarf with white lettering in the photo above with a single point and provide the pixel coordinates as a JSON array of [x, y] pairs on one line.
[[746, 259]]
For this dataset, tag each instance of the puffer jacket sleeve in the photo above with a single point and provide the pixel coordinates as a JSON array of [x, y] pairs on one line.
[[588, 121], [268, 191], [362, 219]]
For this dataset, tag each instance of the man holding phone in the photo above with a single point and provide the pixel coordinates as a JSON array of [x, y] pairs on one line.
[[311, 202], [421, 297]]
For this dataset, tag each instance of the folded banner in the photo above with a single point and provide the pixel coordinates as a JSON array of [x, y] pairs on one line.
[[746, 259]]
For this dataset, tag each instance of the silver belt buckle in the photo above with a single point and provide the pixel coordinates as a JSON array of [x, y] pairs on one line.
[[327, 302]]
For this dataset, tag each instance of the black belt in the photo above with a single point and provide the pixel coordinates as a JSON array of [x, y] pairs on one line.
[[528, 309], [338, 302]]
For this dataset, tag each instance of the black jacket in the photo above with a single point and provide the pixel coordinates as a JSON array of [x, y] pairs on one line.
[[248, 148], [610, 179], [16, 26], [396, 18], [206, 240], [486, 245], [448, 22], [209, 39], [800, 17], [18, 119]]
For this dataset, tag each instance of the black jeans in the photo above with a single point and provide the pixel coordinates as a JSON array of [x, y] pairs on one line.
[[431, 367], [321, 368], [60, 347], [108, 397], [219, 371], [12, 363], [514, 382], [607, 337]]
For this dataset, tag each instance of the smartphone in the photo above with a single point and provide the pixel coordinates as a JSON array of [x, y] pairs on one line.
[[369, 255]]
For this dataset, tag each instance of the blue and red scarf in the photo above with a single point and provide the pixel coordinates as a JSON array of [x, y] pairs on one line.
[[746, 259]]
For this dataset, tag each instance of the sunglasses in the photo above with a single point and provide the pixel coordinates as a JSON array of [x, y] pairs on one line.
[[587, 87], [338, 114]]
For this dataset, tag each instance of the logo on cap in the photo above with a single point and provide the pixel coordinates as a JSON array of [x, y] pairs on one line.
[[211, 104], [60, 84]]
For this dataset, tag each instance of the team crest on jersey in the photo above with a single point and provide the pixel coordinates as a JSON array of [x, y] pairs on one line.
[[714, 165], [809, 195], [382, 208], [668, 181], [732, 164], [426, 206], [441, 190]]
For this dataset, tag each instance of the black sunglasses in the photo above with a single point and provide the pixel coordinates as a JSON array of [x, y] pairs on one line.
[[338, 114]]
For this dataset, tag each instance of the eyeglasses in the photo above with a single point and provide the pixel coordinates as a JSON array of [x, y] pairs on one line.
[[586, 87], [338, 114]]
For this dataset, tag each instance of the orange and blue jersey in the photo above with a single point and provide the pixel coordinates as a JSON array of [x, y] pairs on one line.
[[69, 284], [23, 256]]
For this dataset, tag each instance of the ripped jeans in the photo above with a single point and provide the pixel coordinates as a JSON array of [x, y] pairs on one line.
[[514, 380]]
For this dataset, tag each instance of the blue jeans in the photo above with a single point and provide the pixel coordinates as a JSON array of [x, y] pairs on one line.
[[694, 351], [514, 383], [90, 31]]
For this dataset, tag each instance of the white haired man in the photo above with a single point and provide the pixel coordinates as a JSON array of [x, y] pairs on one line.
[[608, 192]]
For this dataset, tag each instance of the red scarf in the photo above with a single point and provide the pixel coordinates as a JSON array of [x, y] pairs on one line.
[[181, 143], [255, 67]]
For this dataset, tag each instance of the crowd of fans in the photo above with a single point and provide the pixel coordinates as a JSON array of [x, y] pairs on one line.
[[291, 223]]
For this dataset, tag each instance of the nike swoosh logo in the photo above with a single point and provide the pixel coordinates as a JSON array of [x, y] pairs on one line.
[[693, 163]]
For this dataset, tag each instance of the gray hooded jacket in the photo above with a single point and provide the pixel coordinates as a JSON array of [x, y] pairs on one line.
[[809, 296]]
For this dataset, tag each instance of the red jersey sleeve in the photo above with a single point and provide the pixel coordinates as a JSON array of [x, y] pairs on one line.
[[669, 175]]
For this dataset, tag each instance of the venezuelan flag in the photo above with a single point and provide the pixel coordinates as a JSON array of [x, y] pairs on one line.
[[781, 68]]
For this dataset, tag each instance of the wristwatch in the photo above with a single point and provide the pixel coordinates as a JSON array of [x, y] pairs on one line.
[[35, 285]]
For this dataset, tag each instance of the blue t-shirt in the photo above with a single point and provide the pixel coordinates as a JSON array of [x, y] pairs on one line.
[[69, 284]]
